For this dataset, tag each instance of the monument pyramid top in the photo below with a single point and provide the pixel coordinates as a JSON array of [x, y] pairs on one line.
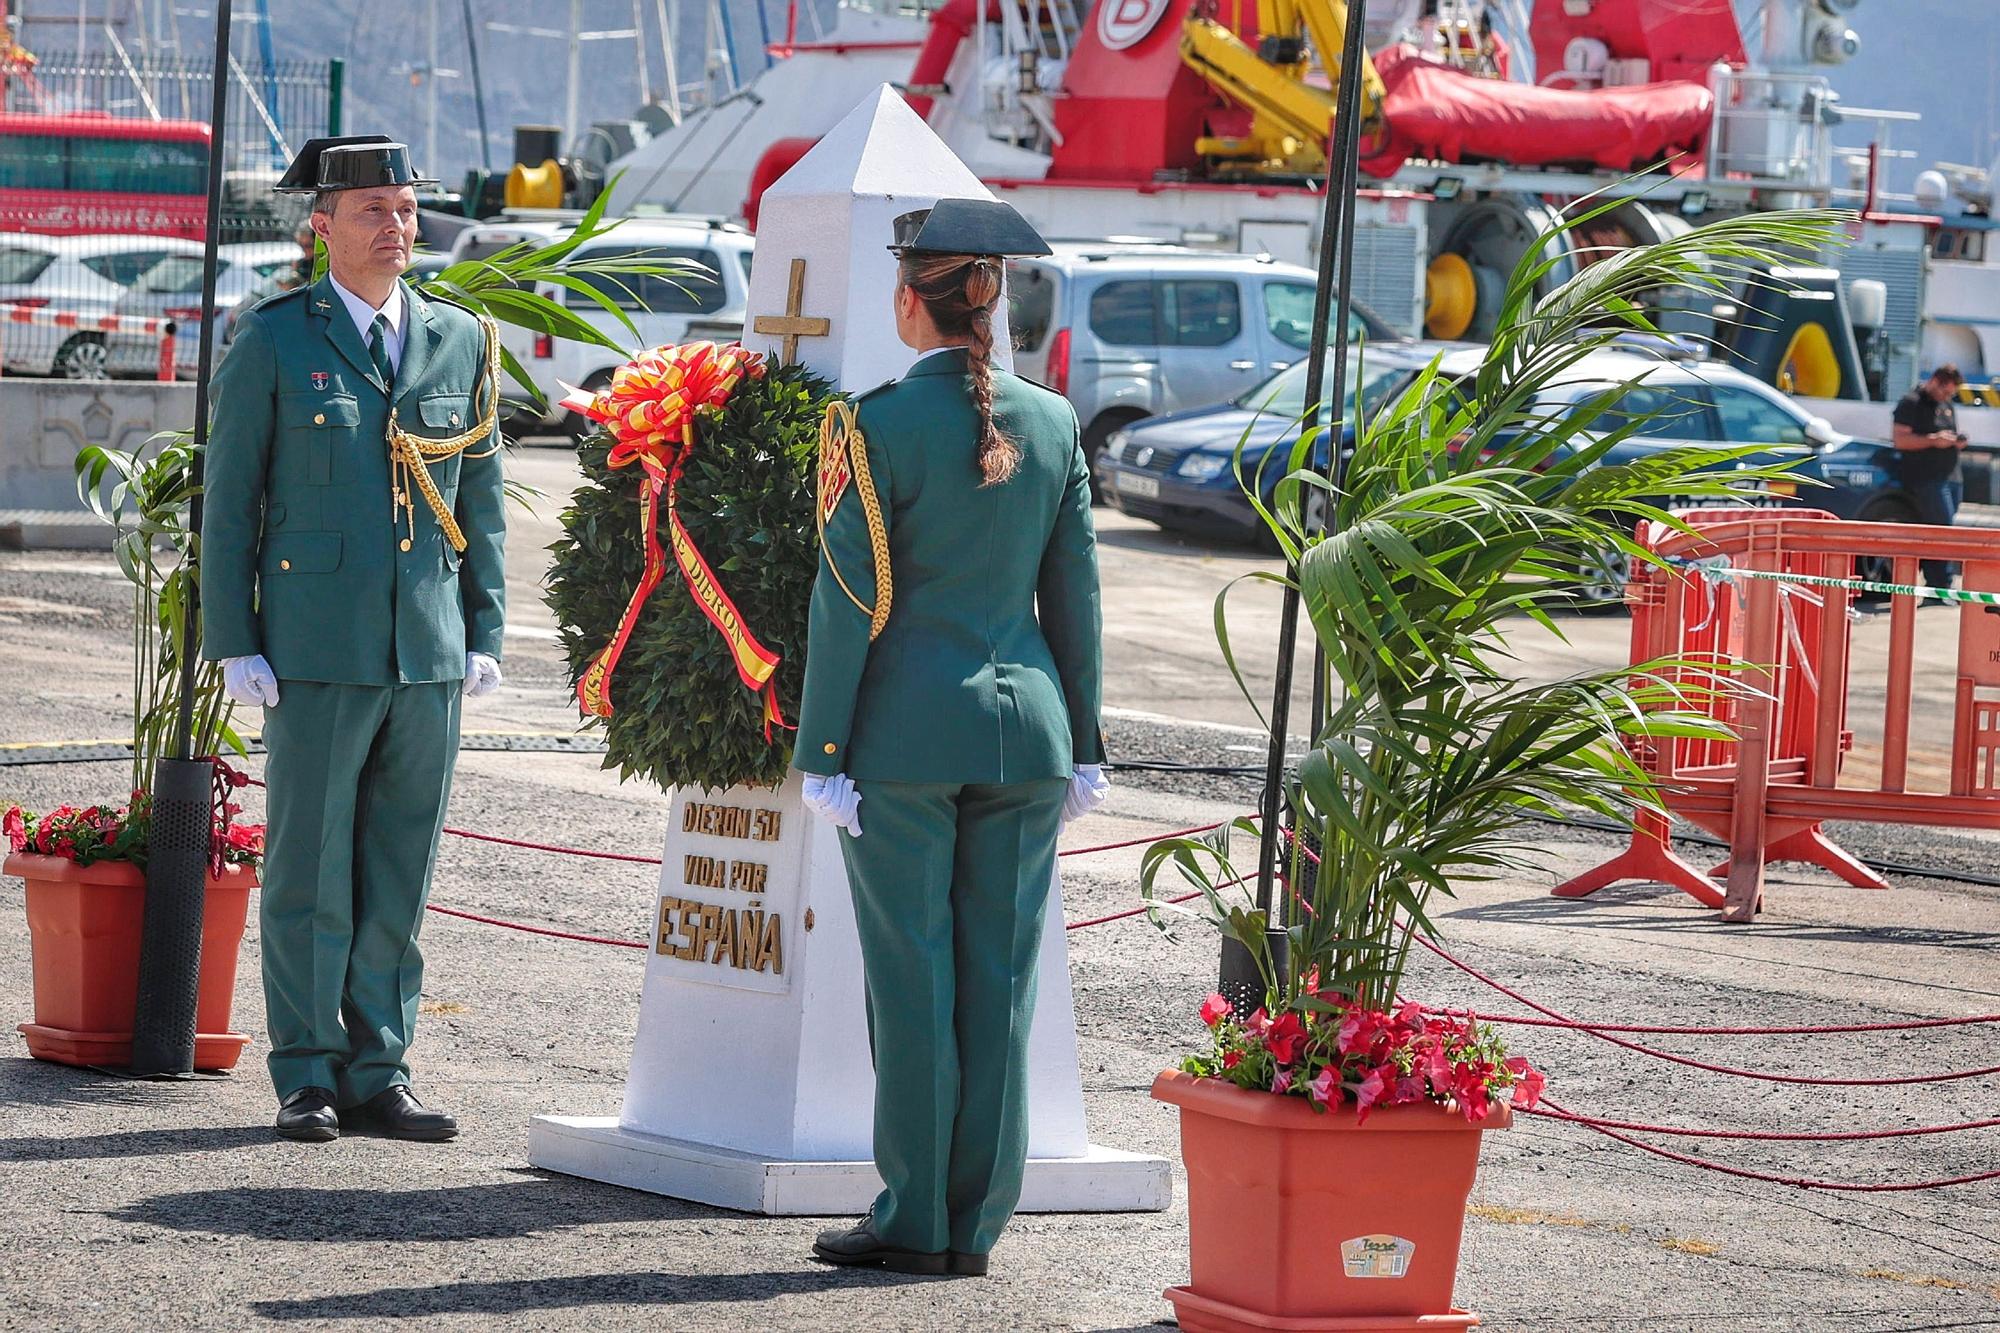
[[823, 282]]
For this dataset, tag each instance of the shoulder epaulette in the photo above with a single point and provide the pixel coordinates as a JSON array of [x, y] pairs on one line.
[[1049, 388], [442, 302]]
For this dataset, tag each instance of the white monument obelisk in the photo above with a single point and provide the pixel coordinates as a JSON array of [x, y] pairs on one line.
[[751, 1085]]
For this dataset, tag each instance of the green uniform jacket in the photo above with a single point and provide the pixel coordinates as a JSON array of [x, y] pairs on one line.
[[301, 555], [989, 669]]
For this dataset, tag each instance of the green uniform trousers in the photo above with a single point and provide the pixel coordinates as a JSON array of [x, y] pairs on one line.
[[358, 777], [950, 882]]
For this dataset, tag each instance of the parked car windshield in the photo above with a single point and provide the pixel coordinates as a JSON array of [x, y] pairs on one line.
[[23, 265], [695, 291], [124, 267], [1284, 394], [177, 273], [1031, 304], [1288, 312]]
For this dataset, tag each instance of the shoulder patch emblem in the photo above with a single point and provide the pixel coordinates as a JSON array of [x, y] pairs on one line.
[[834, 476]]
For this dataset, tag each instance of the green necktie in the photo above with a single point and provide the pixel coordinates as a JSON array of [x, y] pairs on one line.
[[378, 350]]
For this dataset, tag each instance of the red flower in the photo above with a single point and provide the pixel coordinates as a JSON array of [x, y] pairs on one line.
[[1287, 1034], [1528, 1082], [1370, 1092], [1231, 1059], [1258, 1024], [14, 825], [1358, 1029], [1326, 1088], [1214, 1009]]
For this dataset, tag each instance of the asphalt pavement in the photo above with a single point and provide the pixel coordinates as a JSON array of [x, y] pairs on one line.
[[152, 1206]]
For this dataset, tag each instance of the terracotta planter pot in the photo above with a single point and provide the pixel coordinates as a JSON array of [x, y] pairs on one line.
[[85, 925], [1307, 1221]]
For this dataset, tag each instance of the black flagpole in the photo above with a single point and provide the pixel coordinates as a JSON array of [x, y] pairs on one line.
[[1239, 975], [177, 855]]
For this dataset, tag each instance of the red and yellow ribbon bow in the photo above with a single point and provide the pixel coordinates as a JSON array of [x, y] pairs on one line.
[[650, 408]]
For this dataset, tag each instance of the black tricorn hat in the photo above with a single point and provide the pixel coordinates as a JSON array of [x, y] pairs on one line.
[[354, 162], [968, 227]]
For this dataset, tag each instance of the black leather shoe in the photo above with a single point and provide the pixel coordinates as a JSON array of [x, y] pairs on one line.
[[397, 1114], [307, 1115], [961, 1264], [858, 1246]]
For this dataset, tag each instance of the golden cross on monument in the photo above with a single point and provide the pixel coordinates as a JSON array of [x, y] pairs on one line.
[[792, 325]]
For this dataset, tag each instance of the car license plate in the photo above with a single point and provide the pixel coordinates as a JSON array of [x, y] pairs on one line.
[[1139, 488]]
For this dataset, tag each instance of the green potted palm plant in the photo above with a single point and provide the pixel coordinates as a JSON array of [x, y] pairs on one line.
[[85, 866], [1331, 1133]]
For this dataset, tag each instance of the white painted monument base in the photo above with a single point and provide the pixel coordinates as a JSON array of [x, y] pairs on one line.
[[1105, 1180], [751, 1084]]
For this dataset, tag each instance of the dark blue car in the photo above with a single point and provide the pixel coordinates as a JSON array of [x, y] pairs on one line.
[[1179, 470], [1176, 470]]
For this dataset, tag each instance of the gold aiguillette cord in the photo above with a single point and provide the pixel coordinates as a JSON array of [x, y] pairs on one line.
[[409, 453]]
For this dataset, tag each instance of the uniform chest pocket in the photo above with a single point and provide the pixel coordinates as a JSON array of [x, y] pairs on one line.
[[445, 414], [316, 436]]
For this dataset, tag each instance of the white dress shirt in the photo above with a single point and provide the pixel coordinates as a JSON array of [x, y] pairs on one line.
[[960, 347], [364, 314]]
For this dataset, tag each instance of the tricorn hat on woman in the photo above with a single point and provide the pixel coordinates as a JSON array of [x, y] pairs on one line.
[[967, 227]]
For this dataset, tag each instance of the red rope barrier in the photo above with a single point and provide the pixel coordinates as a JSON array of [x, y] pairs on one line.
[[1135, 911], [553, 847], [1149, 838], [1909, 1025], [1769, 1178], [1760, 1075], [532, 930], [1761, 1135]]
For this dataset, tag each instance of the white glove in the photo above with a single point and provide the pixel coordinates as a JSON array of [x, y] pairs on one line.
[[482, 675], [250, 680], [835, 800], [1087, 791]]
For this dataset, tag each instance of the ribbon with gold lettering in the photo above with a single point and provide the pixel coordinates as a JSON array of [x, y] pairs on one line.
[[650, 407]]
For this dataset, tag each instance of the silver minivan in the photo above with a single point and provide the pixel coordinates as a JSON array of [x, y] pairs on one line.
[[1128, 331]]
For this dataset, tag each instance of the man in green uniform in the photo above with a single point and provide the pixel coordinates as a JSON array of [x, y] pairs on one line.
[[352, 584]]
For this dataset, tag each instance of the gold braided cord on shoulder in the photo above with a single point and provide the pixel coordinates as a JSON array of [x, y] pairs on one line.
[[839, 435], [409, 453]]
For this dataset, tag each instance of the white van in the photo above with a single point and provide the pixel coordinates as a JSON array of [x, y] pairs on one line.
[[708, 304]]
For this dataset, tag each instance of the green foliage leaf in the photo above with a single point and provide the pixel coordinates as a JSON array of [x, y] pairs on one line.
[[681, 716]]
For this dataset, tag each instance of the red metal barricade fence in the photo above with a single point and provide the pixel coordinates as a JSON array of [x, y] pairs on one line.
[[41, 317], [1777, 629]]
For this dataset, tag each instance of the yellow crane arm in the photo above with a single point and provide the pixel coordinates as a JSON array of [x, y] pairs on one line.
[[1274, 87], [1219, 55], [1326, 24]]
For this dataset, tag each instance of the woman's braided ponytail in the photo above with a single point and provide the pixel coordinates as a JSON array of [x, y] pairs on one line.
[[960, 293]]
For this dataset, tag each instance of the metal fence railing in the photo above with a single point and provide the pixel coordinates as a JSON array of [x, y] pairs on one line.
[[103, 211], [272, 108]]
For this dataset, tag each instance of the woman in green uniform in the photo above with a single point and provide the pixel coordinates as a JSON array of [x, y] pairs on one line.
[[951, 698]]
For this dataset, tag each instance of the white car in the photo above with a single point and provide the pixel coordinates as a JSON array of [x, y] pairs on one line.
[[709, 304], [171, 289], [85, 275]]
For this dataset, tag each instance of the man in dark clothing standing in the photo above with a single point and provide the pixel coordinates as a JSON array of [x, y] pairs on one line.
[[1927, 449]]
